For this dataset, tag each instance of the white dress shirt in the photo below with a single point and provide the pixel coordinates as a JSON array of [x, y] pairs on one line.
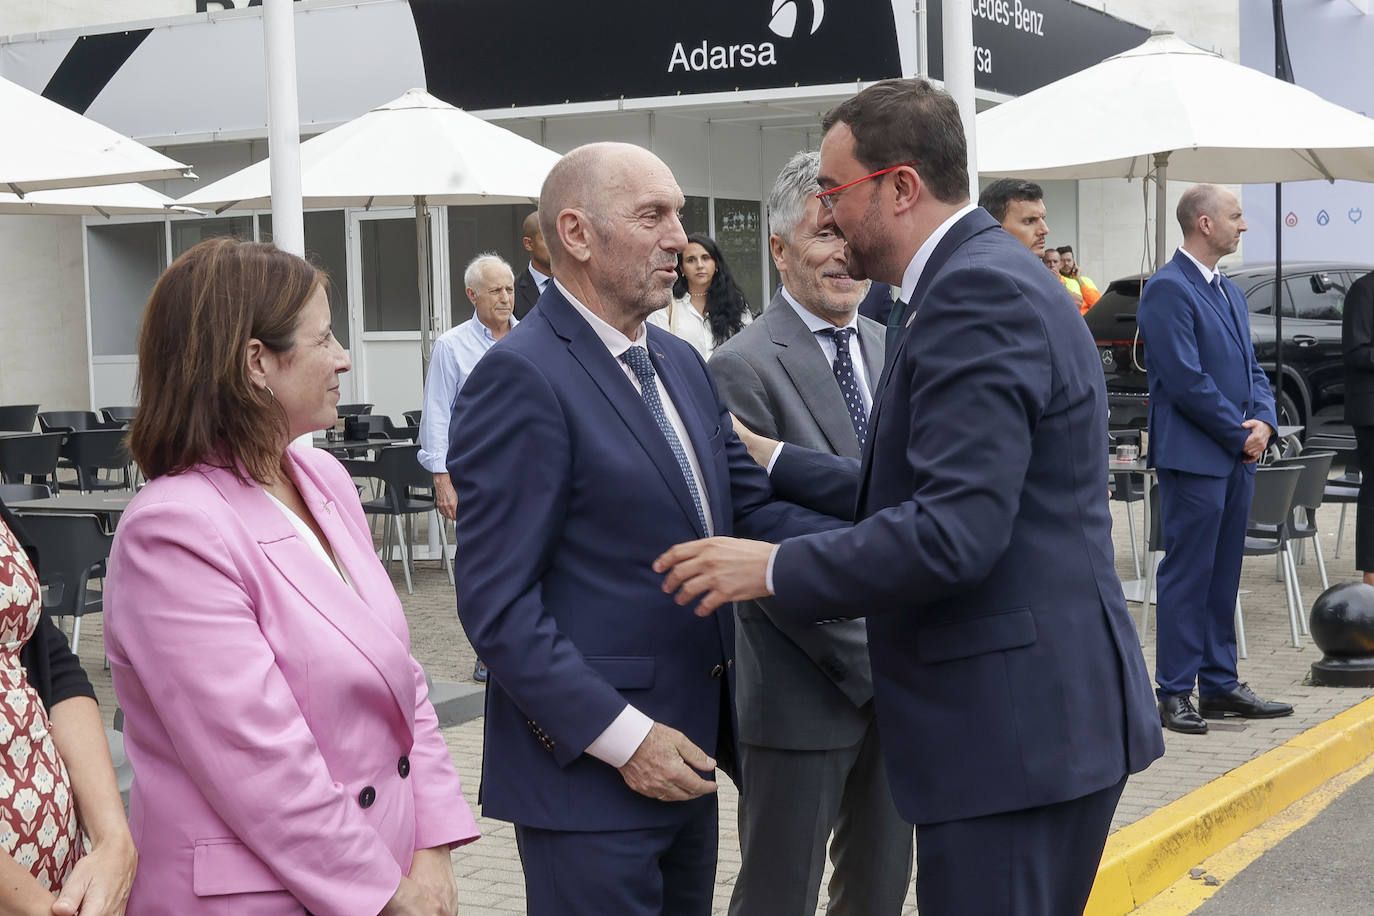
[[618, 743], [455, 353], [1207, 272], [540, 278]]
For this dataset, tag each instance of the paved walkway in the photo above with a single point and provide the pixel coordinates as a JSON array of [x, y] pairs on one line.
[[489, 875]]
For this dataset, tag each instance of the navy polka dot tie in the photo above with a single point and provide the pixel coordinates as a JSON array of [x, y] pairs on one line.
[[849, 385], [637, 358]]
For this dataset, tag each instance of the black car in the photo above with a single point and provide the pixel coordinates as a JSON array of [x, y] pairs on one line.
[[1313, 392]]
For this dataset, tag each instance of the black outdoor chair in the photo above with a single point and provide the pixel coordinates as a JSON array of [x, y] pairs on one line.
[[31, 459], [72, 550], [69, 421], [121, 415], [1269, 530], [407, 490], [18, 418], [413, 417], [1307, 499], [91, 451], [17, 492], [1346, 491], [352, 410]]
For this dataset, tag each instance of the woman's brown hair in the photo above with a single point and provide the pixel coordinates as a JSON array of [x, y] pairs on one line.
[[197, 404]]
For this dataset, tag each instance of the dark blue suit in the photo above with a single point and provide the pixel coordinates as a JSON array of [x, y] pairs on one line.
[[1008, 677], [1204, 382], [567, 492]]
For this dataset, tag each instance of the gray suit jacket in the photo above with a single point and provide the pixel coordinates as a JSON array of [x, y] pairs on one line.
[[807, 687]]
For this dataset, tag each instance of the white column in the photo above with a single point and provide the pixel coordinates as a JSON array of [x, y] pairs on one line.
[[283, 125], [956, 20], [283, 130]]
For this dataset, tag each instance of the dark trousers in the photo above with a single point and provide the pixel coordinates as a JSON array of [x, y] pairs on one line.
[[1364, 508], [659, 871], [1202, 524], [789, 804], [1037, 862]]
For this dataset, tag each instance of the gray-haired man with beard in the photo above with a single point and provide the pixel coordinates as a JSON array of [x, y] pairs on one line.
[[810, 764]]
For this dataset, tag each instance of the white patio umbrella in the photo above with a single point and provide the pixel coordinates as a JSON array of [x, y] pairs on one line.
[[105, 200], [414, 151], [1188, 113], [44, 146]]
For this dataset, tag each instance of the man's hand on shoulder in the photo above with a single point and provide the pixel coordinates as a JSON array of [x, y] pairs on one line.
[[665, 766], [1258, 440]]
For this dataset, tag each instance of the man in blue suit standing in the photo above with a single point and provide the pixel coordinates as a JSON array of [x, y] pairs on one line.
[[581, 448], [1211, 417], [1011, 693]]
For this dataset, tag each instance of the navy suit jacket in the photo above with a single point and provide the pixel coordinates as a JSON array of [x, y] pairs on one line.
[[1204, 378], [1007, 671], [526, 294], [567, 492]]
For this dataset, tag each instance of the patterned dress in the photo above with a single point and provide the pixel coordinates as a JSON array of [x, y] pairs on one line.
[[38, 824]]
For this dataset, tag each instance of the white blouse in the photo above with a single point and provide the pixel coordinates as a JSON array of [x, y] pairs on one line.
[[682, 319]]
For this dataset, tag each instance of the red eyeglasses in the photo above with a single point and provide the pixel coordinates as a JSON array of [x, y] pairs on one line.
[[827, 198]]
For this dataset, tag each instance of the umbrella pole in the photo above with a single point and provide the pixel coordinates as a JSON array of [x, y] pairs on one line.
[[426, 302], [1278, 303], [1161, 206]]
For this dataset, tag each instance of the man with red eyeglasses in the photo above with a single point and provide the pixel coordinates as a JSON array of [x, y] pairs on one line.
[[1011, 693]]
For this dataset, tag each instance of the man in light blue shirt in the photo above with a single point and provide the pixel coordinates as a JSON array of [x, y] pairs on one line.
[[490, 286], [491, 289]]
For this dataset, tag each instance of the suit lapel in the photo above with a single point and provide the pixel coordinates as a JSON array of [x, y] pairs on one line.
[[972, 223], [979, 220], [346, 609], [871, 341], [801, 357], [679, 390], [1220, 307], [605, 372]]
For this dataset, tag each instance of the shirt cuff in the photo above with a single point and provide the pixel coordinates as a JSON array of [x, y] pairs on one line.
[[768, 573], [773, 459], [618, 743]]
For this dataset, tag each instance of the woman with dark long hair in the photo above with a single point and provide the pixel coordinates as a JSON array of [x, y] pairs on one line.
[[708, 307]]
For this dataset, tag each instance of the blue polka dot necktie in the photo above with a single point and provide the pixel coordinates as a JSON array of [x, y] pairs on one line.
[[849, 384], [637, 358]]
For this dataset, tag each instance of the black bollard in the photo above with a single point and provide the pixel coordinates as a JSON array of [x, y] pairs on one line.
[[1342, 626]]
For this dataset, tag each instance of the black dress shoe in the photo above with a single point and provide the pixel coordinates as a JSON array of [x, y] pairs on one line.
[[1242, 702], [1176, 713], [479, 672]]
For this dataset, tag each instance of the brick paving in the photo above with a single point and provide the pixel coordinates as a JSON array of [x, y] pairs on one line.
[[488, 872]]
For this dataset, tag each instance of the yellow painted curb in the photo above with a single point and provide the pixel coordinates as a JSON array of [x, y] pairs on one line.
[[1144, 858]]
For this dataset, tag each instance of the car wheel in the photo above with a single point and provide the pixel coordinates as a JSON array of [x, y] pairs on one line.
[[1288, 412]]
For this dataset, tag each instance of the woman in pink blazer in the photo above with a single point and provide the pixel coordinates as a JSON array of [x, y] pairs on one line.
[[286, 756]]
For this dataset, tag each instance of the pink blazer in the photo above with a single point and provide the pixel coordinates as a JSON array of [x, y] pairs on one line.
[[285, 752]]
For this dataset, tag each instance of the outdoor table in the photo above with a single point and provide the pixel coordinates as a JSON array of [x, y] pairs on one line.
[[349, 446], [108, 503]]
